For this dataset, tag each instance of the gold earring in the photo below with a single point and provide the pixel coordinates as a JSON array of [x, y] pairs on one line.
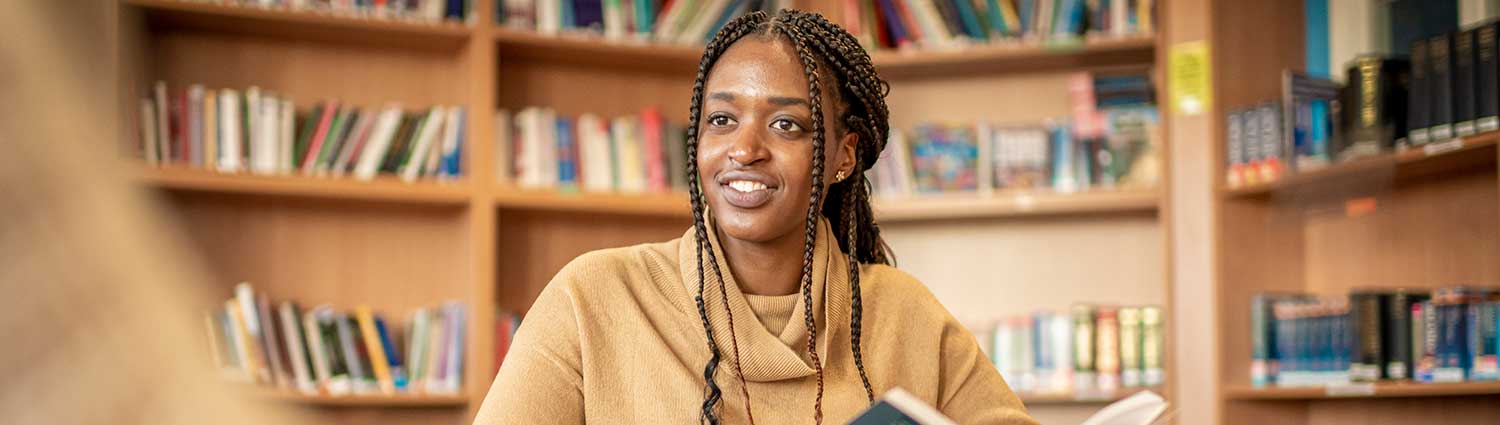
[[839, 177]]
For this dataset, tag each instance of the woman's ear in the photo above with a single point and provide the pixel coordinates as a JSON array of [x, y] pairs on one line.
[[847, 148]]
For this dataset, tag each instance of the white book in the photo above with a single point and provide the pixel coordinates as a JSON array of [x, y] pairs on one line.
[[703, 22], [148, 132], [435, 152], [666, 27], [1061, 328], [1119, 24], [296, 352], [416, 347], [380, 141], [252, 125], [547, 147], [1142, 408], [238, 340], [288, 137], [528, 157], [413, 167], [433, 10], [548, 20], [229, 131], [265, 131], [593, 150], [452, 136], [614, 20], [315, 350], [194, 126], [163, 133], [453, 377], [246, 297], [359, 134], [436, 349], [504, 168]]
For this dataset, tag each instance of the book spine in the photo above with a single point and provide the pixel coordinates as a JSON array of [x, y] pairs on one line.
[[1419, 110], [1366, 316], [1234, 152], [374, 349], [1152, 345], [1397, 328], [392, 356], [1464, 71], [1482, 341], [1262, 341], [348, 343], [1440, 83], [1130, 346], [1421, 365], [1107, 344], [1272, 155], [1486, 78], [1083, 346], [1250, 145]]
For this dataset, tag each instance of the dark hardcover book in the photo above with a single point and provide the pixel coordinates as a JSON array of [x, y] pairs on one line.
[[1367, 315], [1375, 105], [399, 144], [970, 20], [1418, 109], [348, 348], [455, 10], [1411, 20], [1486, 78], [361, 351], [1440, 85], [899, 35], [304, 135], [951, 21], [1464, 71], [337, 137], [1397, 327], [898, 407], [589, 14], [1481, 327]]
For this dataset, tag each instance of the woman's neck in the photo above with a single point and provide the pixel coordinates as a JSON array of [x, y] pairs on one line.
[[765, 268]]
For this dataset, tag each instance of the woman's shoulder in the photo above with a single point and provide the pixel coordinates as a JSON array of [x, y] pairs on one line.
[[892, 288], [596, 272]]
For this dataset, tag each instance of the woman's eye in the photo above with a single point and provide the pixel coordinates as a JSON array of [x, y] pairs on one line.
[[786, 125], [720, 121]]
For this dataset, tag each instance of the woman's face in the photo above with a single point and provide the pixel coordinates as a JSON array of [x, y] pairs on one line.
[[755, 140]]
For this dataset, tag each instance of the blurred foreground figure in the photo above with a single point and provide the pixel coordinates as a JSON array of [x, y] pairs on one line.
[[97, 297]]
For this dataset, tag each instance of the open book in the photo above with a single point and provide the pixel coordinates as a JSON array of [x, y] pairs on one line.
[[898, 407]]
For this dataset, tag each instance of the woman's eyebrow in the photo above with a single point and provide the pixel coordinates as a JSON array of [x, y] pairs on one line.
[[723, 96], [786, 101]]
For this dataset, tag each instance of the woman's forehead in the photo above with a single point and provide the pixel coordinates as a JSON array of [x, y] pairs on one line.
[[758, 67]]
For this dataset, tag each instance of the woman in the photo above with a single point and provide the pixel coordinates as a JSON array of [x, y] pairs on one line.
[[779, 305]]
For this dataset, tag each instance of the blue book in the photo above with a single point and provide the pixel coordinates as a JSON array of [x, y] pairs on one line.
[[645, 15], [996, 18], [1315, 32], [970, 20], [392, 355], [567, 153], [589, 14], [899, 35], [565, 14], [1027, 10], [455, 10], [736, 8], [452, 161]]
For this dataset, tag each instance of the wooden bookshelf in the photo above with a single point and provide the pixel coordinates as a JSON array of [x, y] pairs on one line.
[[652, 204], [1418, 218], [382, 189], [373, 400], [1455, 156], [1077, 399], [1015, 204], [1365, 390], [489, 244], [1019, 56], [256, 21]]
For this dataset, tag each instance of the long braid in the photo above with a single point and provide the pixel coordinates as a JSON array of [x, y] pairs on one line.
[[730, 33], [862, 93]]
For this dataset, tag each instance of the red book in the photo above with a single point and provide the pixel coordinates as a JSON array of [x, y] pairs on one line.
[[651, 150], [882, 33], [178, 127], [503, 326], [316, 145]]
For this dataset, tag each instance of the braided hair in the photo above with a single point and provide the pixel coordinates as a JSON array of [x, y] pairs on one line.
[[829, 55]]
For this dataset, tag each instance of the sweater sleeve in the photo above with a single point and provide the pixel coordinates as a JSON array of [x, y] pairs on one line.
[[972, 391], [541, 376]]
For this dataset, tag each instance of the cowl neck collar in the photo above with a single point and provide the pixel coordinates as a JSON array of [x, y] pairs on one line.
[[766, 356]]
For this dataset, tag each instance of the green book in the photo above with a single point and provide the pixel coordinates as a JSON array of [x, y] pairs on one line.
[[335, 133], [309, 125]]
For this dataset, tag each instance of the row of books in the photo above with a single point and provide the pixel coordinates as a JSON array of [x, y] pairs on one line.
[[539, 148], [326, 351], [506, 325], [1111, 141], [940, 24], [1449, 88], [663, 21], [261, 132], [1442, 335], [1097, 349], [412, 10]]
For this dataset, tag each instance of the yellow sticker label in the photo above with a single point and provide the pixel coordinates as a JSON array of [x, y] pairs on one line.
[[1190, 78]]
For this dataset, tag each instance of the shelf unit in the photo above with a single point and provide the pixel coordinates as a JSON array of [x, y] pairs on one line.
[[353, 401], [490, 244], [1416, 218]]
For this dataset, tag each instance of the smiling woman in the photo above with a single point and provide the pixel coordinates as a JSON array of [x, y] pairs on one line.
[[781, 218]]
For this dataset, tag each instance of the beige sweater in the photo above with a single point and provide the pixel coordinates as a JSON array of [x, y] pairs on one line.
[[616, 338]]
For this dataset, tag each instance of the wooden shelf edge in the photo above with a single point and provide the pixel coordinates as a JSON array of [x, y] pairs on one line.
[[899, 61], [1364, 391], [674, 205], [1079, 399], [1009, 205], [384, 188], [1480, 147], [308, 23], [362, 400]]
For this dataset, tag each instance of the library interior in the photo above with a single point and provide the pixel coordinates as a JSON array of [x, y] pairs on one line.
[[489, 211]]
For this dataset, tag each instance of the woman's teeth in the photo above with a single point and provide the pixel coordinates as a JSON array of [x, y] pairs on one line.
[[746, 186]]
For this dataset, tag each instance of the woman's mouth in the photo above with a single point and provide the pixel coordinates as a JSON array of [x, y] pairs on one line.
[[746, 194]]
